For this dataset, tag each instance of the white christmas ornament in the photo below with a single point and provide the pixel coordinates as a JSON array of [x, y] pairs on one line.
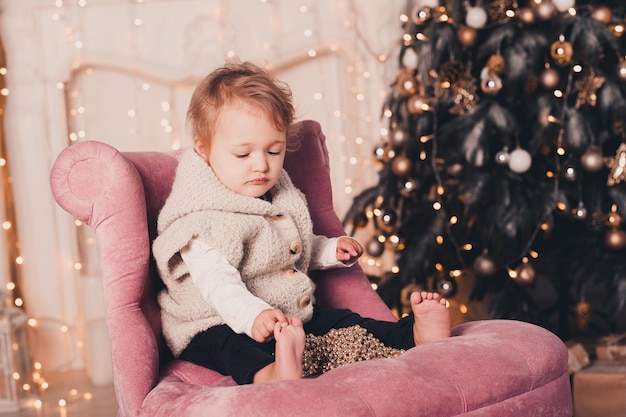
[[476, 17], [409, 59], [563, 5], [519, 160]]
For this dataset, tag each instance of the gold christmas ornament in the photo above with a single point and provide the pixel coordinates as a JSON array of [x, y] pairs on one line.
[[583, 314], [550, 78], [615, 239], [602, 14], [545, 10], [526, 15], [401, 166], [483, 265], [561, 51], [592, 159], [375, 247], [466, 35]]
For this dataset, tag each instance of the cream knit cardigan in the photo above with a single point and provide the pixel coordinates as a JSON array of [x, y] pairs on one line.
[[268, 242]]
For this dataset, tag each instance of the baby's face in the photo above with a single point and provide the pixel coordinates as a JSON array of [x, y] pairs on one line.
[[247, 152]]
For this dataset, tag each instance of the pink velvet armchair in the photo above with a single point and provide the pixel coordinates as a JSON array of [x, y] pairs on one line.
[[488, 368]]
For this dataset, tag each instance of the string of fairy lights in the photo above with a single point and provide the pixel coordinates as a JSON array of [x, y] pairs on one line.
[[366, 67]]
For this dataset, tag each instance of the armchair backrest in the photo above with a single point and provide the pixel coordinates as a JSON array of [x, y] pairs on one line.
[[119, 195]]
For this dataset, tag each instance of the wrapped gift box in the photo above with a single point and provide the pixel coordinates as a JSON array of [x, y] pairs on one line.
[[577, 357], [600, 390], [612, 347]]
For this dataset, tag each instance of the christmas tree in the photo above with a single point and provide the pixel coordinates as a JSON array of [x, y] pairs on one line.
[[502, 162]]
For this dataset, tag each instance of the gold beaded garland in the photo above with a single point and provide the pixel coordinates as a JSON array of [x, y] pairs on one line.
[[341, 347]]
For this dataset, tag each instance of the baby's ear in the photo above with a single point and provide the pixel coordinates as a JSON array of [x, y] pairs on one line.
[[201, 148]]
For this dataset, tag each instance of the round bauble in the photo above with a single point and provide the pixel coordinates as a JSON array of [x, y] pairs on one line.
[[466, 35], [602, 14], [550, 78], [561, 51], [525, 274], [563, 5], [592, 159], [615, 239], [476, 17], [519, 161], [526, 15], [375, 247], [401, 166], [545, 10], [398, 137], [484, 265], [409, 59]]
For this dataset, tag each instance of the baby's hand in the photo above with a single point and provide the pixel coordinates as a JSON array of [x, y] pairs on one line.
[[348, 250], [263, 326]]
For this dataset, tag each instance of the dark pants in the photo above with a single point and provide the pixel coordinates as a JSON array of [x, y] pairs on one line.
[[221, 349]]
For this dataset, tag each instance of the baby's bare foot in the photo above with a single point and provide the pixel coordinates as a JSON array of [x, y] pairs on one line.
[[290, 343], [432, 320]]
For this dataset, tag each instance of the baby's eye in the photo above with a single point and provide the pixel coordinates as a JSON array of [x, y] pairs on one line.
[[274, 153], [242, 155]]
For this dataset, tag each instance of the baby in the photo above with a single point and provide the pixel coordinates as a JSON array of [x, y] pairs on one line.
[[235, 242]]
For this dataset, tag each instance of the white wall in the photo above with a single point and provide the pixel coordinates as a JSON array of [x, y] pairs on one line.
[[104, 69]]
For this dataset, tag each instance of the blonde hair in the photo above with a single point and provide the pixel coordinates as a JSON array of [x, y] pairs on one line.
[[239, 82]]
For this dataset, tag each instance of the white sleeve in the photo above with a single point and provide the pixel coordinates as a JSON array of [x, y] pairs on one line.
[[324, 253], [221, 286]]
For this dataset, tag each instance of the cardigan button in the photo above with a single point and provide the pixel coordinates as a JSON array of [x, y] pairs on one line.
[[290, 272], [295, 247], [305, 301]]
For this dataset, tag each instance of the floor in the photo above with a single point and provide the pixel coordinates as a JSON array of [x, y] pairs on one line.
[[80, 397]]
